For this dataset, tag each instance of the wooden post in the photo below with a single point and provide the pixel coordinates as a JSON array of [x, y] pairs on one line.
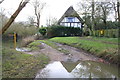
[[101, 32], [14, 40]]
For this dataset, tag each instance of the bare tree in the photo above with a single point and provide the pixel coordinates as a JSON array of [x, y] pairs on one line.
[[48, 21], [93, 20], [12, 18], [1, 1], [105, 9], [38, 7], [115, 10], [88, 9], [116, 7], [118, 10], [2, 17], [54, 21], [84, 8], [31, 20]]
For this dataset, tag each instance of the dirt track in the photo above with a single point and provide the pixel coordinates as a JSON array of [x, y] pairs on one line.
[[73, 55]]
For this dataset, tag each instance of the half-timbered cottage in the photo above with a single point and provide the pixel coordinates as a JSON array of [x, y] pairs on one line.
[[70, 18]]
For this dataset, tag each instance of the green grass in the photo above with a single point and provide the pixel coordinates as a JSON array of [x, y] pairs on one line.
[[111, 40], [103, 50], [35, 45], [20, 65], [50, 43], [53, 45]]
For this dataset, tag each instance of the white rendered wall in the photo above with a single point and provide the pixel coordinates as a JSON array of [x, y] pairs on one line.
[[71, 19]]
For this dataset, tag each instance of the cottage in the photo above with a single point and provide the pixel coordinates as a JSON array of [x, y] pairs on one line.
[[71, 18]]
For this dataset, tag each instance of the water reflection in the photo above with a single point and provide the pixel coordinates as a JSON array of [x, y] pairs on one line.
[[54, 70], [83, 69], [88, 69]]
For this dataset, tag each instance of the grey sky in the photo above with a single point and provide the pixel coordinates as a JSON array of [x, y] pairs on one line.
[[54, 8]]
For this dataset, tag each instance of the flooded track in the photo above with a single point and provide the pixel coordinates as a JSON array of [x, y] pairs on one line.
[[77, 64], [81, 69]]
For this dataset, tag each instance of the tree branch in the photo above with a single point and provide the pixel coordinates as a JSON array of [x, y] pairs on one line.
[[1, 1], [12, 18], [38, 7]]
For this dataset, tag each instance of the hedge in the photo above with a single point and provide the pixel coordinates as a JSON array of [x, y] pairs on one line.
[[112, 33], [61, 31]]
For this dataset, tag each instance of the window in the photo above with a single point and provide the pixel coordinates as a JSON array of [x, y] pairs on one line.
[[70, 19]]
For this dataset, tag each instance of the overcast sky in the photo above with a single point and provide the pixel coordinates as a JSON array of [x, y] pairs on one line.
[[54, 8]]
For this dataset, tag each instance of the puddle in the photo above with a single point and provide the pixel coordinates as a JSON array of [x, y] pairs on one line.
[[24, 49], [83, 69]]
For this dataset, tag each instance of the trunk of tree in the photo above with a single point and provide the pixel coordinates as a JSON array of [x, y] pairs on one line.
[[115, 9], [118, 10], [104, 16], [38, 20], [37, 14], [116, 18], [105, 23], [38, 7], [1, 1], [38, 23], [12, 18], [93, 21]]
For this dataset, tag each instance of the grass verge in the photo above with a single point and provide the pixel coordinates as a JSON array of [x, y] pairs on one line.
[[19, 65], [103, 39], [53, 45], [36, 45], [102, 50]]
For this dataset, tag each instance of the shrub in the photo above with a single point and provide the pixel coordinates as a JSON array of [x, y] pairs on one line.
[[42, 30]]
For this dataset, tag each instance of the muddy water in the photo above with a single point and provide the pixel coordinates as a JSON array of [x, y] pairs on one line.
[[83, 69], [24, 49]]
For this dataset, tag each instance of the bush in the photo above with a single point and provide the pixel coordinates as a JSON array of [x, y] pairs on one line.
[[42, 30], [61, 31], [21, 30], [109, 25]]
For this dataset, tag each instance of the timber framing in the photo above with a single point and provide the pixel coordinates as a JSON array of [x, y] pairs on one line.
[[70, 13]]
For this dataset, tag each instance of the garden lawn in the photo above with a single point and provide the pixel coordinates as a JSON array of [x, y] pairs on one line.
[[100, 49]]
